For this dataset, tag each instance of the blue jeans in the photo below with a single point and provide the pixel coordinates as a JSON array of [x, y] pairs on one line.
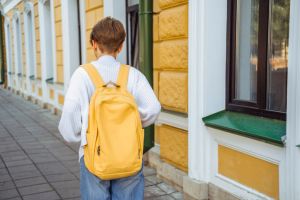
[[93, 188]]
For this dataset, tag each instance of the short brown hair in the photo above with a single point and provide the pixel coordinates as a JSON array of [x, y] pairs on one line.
[[109, 34]]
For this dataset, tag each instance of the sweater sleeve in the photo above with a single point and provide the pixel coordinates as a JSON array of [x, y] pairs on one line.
[[148, 104], [70, 123]]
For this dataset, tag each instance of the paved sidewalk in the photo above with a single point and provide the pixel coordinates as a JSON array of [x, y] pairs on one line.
[[35, 162]]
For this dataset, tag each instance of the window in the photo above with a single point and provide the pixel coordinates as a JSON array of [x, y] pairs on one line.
[[8, 48], [257, 57], [29, 39], [18, 46], [132, 32], [47, 26]]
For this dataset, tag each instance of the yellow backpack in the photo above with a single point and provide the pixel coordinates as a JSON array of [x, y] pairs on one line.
[[115, 136]]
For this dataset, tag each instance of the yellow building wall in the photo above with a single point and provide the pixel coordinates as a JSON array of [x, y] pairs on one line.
[[170, 77], [93, 13], [59, 45], [173, 146], [253, 172], [37, 39], [170, 53]]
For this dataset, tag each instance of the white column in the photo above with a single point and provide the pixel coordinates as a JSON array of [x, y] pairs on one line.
[[117, 10], [43, 48], [207, 67], [70, 39], [8, 50], [30, 47], [293, 107], [196, 138]]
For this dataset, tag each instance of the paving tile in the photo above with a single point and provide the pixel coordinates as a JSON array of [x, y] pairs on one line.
[[177, 195], [52, 168], [7, 194], [60, 177], [2, 164], [33, 189], [153, 179], [153, 191], [18, 162], [148, 183], [67, 189], [15, 158], [164, 197], [166, 188], [30, 181], [51, 195], [15, 198], [42, 157], [26, 174], [66, 184], [36, 150], [6, 185], [21, 168], [148, 171], [4, 175]]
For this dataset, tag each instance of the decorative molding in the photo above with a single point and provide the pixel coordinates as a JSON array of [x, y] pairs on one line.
[[292, 173], [9, 4], [28, 7], [16, 14], [172, 120], [43, 1], [270, 153]]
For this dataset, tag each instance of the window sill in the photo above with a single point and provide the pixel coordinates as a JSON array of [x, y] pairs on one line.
[[269, 130]]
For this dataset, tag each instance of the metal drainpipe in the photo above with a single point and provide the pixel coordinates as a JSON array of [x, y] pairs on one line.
[[146, 55], [1, 51]]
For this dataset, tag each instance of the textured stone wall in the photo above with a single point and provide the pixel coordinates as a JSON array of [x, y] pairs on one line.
[[170, 30], [173, 146], [170, 59], [93, 13], [59, 43]]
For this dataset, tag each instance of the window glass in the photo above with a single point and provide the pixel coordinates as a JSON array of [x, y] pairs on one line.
[[278, 55], [246, 50], [133, 2]]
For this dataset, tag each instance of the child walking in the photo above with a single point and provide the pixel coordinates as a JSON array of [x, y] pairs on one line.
[[106, 107]]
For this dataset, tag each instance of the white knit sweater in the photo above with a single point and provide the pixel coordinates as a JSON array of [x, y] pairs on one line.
[[74, 120]]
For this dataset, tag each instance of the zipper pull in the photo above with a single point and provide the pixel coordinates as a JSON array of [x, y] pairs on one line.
[[139, 154], [98, 150]]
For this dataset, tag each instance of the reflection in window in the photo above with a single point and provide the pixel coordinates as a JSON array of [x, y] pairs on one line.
[[246, 49], [278, 55]]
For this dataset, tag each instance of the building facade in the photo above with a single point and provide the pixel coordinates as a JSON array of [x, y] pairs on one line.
[[225, 71]]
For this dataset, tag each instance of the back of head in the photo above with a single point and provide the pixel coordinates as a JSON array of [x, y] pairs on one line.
[[109, 34]]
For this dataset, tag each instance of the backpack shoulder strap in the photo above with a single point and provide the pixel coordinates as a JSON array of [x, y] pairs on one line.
[[123, 76], [93, 74]]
